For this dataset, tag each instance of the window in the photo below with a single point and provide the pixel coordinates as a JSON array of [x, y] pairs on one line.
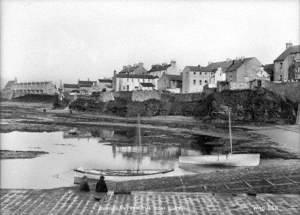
[[194, 82], [200, 73], [204, 73], [280, 65], [205, 81], [280, 78], [194, 73], [200, 82]]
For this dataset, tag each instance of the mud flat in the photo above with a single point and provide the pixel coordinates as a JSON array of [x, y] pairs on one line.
[[9, 154]]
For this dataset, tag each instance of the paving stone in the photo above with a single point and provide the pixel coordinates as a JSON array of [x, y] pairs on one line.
[[70, 201]]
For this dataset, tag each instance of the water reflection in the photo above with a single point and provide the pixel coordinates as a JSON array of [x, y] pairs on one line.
[[102, 148]]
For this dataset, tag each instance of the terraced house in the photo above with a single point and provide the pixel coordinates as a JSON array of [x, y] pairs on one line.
[[194, 78], [287, 64], [40, 88], [132, 78], [161, 69]]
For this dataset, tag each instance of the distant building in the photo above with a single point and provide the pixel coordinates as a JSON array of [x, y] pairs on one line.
[[71, 88], [105, 85], [25, 88], [287, 64], [269, 68], [171, 83], [243, 70], [131, 82], [160, 69], [146, 86], [194, 78], [136, 69]]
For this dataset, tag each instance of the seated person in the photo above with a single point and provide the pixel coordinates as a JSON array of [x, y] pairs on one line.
[[84, 186], [101, 185]]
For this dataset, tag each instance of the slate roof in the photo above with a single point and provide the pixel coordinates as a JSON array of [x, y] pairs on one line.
[[71, 86], [237, 63], [124, 75], [147, 85], [287, 52], [201, 69], [223, 64], [9, 84], [159, 67], [128, 70], [174, 77], [269, 68], [194, 68], [105, 80]]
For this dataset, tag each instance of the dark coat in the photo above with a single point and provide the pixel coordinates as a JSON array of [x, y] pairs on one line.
[[84, 186], [101, 186]]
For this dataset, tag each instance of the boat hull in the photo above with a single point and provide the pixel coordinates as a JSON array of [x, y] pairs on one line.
[[126, 173], [222, 160]]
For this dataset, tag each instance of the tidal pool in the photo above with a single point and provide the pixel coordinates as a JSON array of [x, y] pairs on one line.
[[67, 152]]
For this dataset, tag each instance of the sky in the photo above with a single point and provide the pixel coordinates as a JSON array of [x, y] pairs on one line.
[[51, 40]]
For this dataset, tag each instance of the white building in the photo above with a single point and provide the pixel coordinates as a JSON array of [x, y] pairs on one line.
[[131, 82], [41, 88], [160, 69]]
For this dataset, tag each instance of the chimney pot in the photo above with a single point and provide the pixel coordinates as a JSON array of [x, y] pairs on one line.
[[288, 45]]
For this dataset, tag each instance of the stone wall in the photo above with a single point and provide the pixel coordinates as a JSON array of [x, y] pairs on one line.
[[145, 95], [106, 96], [290, 90]]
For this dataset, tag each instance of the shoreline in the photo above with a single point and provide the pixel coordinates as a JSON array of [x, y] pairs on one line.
[[32, 119]]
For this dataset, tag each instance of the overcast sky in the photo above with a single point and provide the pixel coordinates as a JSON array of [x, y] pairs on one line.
[[67, 40]]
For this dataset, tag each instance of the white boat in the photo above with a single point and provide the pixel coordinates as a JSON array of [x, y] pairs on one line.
[[229, 159], [223, 159]]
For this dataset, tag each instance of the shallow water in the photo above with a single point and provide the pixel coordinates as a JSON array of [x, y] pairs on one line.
[[55, 169]]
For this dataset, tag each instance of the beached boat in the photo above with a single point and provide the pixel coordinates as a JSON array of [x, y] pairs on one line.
[[92, 173], [121, 172], [229, 159]]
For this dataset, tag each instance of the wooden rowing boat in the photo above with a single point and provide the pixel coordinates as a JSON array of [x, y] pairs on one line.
[[121, 172]]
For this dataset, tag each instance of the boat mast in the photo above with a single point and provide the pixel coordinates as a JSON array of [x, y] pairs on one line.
[[230, 136], [140, 140]]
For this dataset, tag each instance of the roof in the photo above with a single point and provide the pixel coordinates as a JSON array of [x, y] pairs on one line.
[[128, 69], [237, 63], [201, 69], [135, 76], [105, 80], [287, 52], [147, 85], [174, 77], [223, 64], [9, 84], [269, 68], [159, 67], [194, 68], [71, 86]]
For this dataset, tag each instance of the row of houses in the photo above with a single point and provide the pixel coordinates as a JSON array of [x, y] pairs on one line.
[[240, 73]]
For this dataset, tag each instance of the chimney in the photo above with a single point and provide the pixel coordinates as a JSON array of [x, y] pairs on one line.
[[115, 72], [288, 45], [199, 65], [173, 63]]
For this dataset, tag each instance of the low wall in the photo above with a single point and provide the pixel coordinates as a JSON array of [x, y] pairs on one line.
[[145, 95], [290, 90], [106, 97]]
